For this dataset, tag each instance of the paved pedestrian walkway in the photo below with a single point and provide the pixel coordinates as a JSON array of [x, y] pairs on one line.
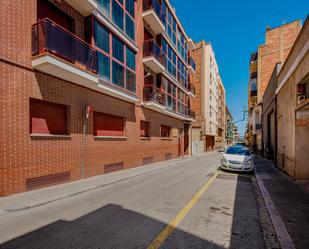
[[35, 198], [289, 199]]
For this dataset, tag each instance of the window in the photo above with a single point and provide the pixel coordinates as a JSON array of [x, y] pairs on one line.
[[47, 118], [118, 49], [130, 7], [145, 129], [101, 37], [170, 24], [122, 15], [104, 67], [182, 102], [130, 27], [165, 131], [130, 81], [171, 58], [112, 65], [117, 15], [130, 58], [104, 7], [118, 74], [108, 125]]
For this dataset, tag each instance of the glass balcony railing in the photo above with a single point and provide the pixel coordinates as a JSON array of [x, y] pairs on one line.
[[156, 6], [151, 48], [192, 63], [48, 37]]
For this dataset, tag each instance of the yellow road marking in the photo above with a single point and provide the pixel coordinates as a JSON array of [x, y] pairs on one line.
[[156, 243]]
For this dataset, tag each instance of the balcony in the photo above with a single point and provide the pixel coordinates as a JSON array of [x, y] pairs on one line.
[[191, 114], [192, 65], [191, 89], [253, 93], [85, 7], [154, 15], [154, 98], [153, 56], [258, 126], [57, 52]]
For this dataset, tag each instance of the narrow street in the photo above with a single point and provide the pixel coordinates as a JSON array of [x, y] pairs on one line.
[[187, 203]]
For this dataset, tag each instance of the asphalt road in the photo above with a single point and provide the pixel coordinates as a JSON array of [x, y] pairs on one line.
[[184, 205]]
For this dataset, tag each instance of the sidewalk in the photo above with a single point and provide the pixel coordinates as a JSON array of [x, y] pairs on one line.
[[288, 204], [35, 198]]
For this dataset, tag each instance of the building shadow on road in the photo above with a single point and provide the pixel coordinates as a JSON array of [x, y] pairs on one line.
[[246, 230], [108, 227]]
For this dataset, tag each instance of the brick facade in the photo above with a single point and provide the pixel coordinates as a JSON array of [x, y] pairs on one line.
[[278, 43], [25, 157]]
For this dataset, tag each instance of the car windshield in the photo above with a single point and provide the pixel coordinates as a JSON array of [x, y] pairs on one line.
[[238, 150]]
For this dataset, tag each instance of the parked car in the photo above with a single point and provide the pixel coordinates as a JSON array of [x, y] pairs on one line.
[[237, 158], [241, 144]]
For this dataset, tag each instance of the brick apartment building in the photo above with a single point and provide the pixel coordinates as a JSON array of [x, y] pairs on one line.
[[278, 43], [207, 131], [89, 87]]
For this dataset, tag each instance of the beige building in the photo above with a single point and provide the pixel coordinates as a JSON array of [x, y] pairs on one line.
[[207, 131], [293, 109], [278, 43], [221, 103], [229, 133]]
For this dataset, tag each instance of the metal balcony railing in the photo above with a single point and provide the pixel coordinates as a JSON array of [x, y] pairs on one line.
[[191, 113], [191, 88], [253, 93], [49, 37], [151, 48], [154, 94], [258, 126], [192, 63], [156, 6]]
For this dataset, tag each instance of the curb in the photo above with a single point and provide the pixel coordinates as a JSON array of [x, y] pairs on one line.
[[281, 231]]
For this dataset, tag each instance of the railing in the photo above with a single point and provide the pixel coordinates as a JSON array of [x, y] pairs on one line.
[[151, 48], [191, 88], [191, 113], [156, 6], [48, 37], [253, 75], [253, 93], [154, 94], [192, 63]]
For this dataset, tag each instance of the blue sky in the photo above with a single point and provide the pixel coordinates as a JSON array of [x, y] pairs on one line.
[[235, 29]]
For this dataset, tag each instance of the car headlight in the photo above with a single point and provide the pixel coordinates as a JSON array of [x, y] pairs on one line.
[[247, 163], [223, 160]]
